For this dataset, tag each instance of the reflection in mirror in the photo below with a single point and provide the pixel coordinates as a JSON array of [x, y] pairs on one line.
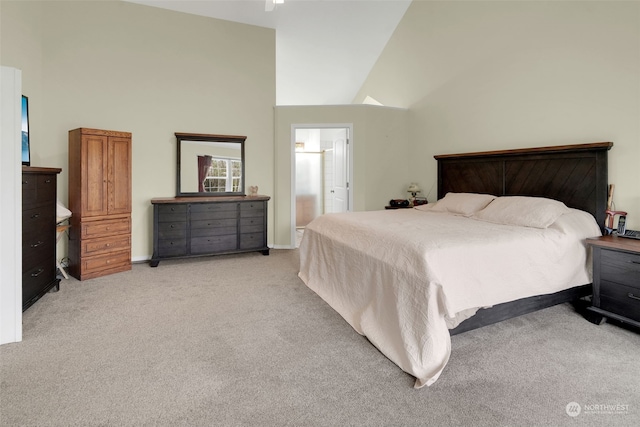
[[211, 165]]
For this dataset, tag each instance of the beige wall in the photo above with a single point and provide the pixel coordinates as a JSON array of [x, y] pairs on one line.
[[122, 66], [483, 75], [380, 156]]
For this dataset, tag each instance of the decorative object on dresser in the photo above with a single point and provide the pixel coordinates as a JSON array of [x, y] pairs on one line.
[[100, 200], [38, 233], [185, 227], [616, 280]]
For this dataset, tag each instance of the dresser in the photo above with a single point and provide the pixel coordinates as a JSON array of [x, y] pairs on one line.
[[186, 227], [100, 201], [38, 233], [616, 280]]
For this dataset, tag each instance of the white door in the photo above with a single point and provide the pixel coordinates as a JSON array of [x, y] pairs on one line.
[[340, 190]]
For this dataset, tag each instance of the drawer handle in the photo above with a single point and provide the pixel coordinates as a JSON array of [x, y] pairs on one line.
[[172, 226], [37, 273], [48, 181], [632, 296], [35, 245], [25, 182], [634, 262], [34, 216]]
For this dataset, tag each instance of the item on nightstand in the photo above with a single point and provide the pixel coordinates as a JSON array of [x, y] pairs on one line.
[[253, 190], [399, 203], [611, 218], [418, 201]]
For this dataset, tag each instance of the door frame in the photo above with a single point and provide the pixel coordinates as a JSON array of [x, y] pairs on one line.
[[350, 138]]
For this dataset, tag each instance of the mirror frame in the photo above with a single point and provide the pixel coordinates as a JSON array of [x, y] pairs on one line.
[[200, 137]]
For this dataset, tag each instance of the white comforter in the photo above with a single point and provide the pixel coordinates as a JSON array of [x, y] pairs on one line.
[[403, 277]]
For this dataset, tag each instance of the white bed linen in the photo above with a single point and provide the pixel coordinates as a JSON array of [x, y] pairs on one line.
[[401, 277]]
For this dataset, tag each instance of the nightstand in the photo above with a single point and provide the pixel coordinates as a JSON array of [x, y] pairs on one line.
[[398, 207], [616, 280]]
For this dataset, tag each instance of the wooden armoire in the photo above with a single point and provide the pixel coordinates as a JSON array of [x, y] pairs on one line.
[[100, 201]]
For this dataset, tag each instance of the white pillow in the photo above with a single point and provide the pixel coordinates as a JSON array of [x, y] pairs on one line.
[[465, 204], [536, 212]]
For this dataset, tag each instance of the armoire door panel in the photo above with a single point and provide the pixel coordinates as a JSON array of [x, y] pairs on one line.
[[119, 175], [94, 175]]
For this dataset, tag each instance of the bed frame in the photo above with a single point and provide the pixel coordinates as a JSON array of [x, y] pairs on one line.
[[573, 174]]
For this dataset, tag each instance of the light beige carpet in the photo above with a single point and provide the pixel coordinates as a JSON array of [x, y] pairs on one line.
[[240, 340]]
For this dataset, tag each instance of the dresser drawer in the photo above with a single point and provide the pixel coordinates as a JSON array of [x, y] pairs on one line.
[[28, 189], [252, 224], [38, 188], [39, 221], [620, 299], [106, 262], [104, 245], [252, 240], [109, 227], [211, 227], [172, 213], [46, 188], [35, 279], [172, 247], [252, 209], [620, 267], [172, 230], [213, 244], [35, 250], [204, 215], [214, 207]]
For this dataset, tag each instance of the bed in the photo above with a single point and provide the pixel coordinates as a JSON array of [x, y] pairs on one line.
[[408, 279]]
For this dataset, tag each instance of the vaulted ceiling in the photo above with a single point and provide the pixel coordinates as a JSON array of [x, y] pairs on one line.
[[324, 48]]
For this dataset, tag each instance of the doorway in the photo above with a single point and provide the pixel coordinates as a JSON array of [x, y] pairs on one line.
[[321, 173]]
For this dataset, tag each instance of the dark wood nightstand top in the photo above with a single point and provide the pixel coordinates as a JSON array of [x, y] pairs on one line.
[[615, 242]]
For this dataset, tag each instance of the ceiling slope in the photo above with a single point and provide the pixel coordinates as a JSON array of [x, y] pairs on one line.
[[324, 48]]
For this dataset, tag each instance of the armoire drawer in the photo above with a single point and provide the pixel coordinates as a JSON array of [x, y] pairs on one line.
[[106, 262], [107, 227], [101, 245]]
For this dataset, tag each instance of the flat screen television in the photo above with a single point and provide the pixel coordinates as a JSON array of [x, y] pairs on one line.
[[26, 149]]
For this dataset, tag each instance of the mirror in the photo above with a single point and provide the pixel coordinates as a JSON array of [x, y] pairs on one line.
[[210, 165]]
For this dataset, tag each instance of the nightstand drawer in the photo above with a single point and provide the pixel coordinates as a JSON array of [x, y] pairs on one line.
[[620, 267], [620, 299]]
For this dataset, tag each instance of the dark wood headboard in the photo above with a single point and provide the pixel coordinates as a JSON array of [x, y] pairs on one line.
[[574, 174]]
